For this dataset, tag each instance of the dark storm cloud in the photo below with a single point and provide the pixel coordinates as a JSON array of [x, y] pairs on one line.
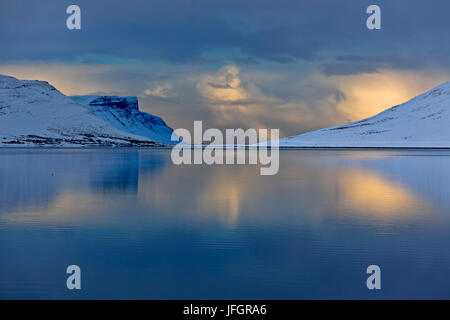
[[204, 31]]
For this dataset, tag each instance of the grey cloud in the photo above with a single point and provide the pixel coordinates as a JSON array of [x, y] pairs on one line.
[[204, 31]]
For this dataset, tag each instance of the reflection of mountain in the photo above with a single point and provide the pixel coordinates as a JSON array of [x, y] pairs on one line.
[[117, 173], [33, 178], [227, 227], [374, 195], [424, 173], [312, 186]]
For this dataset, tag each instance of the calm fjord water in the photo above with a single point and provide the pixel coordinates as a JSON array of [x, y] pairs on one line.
[[141, 227]]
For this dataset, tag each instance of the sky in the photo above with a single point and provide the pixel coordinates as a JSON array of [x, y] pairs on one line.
[[292, 65]]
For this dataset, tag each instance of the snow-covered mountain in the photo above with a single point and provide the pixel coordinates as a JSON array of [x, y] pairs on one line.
[[35, 113], [424, 121], [123, 113]]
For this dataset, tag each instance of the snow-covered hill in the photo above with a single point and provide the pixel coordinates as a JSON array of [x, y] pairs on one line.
[[424, 121], [123, 113], [35, 113]]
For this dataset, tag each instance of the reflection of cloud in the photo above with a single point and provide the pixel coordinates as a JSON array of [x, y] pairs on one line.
[[310, 188], [66, 175], [224, 199], [369, 193], [218, 192], [68, 207]]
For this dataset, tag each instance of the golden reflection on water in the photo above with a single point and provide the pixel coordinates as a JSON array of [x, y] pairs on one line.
[[303, 191], [223, 199], [369, 193]]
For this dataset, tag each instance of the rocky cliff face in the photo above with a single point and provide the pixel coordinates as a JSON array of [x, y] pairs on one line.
[[123, 113], [34, 113]]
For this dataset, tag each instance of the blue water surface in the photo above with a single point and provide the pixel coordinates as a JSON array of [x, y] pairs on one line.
[[140, 227]]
